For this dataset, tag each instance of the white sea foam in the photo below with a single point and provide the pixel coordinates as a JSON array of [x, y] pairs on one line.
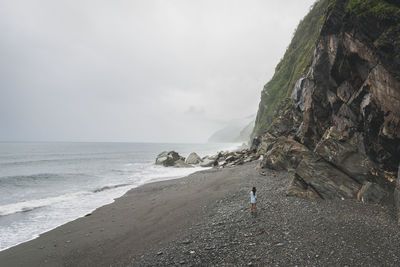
[[47, 213], [29, 205], [81, 185]]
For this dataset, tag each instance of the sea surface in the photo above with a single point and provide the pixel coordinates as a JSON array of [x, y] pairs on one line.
[[45, 185]]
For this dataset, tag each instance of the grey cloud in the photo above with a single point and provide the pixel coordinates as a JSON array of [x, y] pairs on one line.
[[149, 70]]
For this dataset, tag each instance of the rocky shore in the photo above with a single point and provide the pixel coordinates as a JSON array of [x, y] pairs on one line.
[[287, 231], [220, 160], [204, 219]]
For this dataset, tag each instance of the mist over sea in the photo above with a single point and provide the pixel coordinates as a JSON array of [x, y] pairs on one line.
[[44, 185]]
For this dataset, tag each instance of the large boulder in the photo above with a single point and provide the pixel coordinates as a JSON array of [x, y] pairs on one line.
[[171, 159], [284, 154], [193, 158], [299, 188], [348, 154], [264, 144], [328, 181]]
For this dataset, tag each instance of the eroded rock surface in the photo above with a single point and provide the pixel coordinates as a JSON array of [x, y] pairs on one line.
[[284, 154], [329, 182], [341, 132]]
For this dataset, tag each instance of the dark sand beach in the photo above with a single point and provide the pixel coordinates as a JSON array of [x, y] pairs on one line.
[[204, 219]]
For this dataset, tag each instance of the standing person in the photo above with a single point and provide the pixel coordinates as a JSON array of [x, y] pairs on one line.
[[253, 201]]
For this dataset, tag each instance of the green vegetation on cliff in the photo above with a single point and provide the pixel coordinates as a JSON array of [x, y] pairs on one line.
[[380, 9], [292, 66], [385, 14]]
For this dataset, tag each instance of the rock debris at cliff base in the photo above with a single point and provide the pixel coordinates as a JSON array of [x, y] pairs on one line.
[[287, 231]]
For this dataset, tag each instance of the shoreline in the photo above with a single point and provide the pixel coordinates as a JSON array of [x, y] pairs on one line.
[[109, 201], [162, 174], [36, 250], [204, 219]]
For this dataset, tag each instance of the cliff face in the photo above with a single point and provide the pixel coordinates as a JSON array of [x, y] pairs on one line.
[[293, 65], [340, 128]]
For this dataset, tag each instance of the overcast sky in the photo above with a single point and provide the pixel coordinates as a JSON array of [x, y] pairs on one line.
[[145, 71]]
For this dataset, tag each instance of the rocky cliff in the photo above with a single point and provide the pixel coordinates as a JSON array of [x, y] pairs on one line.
[[335, 120]]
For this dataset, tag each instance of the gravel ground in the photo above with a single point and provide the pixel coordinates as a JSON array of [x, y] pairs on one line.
[[204, 219], [287, 231]]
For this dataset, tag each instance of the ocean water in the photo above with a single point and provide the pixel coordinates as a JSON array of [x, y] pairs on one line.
[[44, 185]]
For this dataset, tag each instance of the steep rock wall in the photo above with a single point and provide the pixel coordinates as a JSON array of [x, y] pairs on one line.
[[346, 109], [293, 65]]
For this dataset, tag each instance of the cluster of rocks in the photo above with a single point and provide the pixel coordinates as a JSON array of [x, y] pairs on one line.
[[220, 160], [171, 159], [316, 176], [229, 159]]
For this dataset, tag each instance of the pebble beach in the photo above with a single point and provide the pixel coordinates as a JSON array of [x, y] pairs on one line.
[[204, 219]]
